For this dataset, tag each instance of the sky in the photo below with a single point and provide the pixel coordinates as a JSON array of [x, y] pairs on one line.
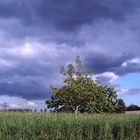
[[37, 36]]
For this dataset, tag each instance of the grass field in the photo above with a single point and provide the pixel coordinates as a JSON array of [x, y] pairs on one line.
[[47, 126], [133, 112]]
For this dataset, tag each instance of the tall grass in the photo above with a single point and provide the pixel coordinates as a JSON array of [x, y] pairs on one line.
[[47, 126]]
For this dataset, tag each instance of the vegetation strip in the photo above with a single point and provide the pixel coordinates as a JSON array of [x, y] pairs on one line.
[[50, 126]]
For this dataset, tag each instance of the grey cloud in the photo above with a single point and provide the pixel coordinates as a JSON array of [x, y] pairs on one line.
[[64, 15], [100, 63], [30, 76], [104, 33], [50, 19], [132, 91], [24, 91]]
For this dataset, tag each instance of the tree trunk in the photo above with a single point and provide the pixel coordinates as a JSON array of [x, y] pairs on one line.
[[76, 110]]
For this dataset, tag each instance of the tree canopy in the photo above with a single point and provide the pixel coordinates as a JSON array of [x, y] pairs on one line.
[[120, 107], [80, 93]]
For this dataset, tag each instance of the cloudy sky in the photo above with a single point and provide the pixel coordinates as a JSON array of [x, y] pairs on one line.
[[37, 36]]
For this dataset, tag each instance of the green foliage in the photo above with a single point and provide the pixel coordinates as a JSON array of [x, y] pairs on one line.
[[50, 126], [133, 107], [106, 99], [80, 93], [120, 106]]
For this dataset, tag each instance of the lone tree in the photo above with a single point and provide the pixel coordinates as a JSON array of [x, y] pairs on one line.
[[80, 93], [4, 105]]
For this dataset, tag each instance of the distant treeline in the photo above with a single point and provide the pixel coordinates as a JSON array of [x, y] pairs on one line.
[[17, 110], [133, 107], [23, 110]]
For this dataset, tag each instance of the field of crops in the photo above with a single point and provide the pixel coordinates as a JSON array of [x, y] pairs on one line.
[[47, 126]]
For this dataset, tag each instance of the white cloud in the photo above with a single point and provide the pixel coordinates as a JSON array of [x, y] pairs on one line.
[[109, 75], [13, 105], [20, 103], [26, 51], [31, 104], [132, 61]]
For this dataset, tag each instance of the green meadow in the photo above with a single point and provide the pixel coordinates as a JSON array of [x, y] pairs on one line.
[[51, 126]]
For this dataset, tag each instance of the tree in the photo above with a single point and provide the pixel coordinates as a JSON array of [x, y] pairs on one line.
[[80, 93], [4, 105], [106, 100], [120, 107], [133, 107]]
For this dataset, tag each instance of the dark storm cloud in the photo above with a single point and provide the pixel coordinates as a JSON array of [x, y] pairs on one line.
[[49, 19], [64, 15], [69, 15], [131, 68], [100, 63], [98, 30], [29, 80], [30, 91]]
